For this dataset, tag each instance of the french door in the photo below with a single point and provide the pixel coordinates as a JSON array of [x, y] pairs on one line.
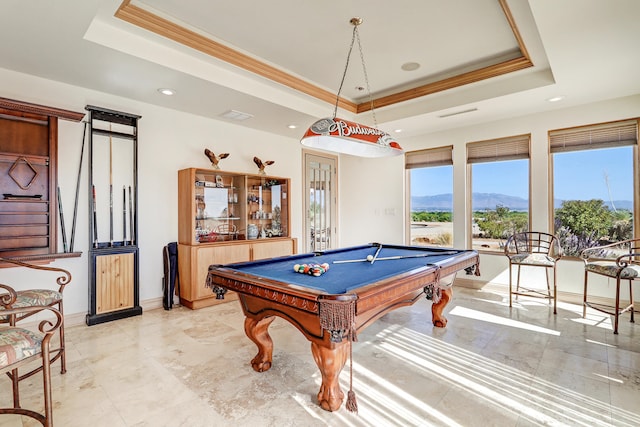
[[321, 220]]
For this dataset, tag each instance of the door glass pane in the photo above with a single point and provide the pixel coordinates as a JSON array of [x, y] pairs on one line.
[[320, 203]]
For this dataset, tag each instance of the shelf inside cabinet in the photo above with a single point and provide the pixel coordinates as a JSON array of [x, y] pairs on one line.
[[218, 218]]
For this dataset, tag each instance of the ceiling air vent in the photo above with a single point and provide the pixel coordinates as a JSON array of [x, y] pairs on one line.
[[458, 112], [236, 115]]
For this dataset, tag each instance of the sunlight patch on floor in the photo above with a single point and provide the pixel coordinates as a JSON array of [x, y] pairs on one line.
[[499, 385], [600, 343], [597, 320], [608, 378], [394, 402], [499, 320]]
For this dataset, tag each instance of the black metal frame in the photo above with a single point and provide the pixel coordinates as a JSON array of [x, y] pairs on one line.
[[98, 249]]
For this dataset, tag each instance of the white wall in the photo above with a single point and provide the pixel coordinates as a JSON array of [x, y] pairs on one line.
[[371, 200], [168, 141]]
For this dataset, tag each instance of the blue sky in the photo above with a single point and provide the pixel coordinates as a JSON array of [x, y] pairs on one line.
[[578, 175]]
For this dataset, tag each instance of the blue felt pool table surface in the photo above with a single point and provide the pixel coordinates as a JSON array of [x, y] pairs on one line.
[[344, 277]]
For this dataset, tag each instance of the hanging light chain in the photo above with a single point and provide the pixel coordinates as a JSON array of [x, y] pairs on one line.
[[366, 77], [346, 67]]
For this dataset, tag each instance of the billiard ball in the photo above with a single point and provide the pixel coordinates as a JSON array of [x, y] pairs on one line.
[[369, 258]]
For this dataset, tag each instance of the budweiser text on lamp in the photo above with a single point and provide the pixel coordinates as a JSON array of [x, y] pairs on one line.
[[346, 137]]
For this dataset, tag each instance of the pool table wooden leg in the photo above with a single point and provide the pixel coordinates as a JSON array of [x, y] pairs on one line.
[[330, 361], [258, 332], [437, 317]]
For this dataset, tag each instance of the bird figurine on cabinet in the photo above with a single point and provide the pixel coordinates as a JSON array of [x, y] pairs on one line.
[[212, 157], [261, 165]]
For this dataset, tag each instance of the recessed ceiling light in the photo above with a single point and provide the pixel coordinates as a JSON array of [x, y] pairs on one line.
[[410, 66], [236, 115], [292, 126], [556, 99], [166, 91], [398, 130]]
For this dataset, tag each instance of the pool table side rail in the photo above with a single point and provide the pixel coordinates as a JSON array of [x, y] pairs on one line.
[[302, 298], [380, 298]]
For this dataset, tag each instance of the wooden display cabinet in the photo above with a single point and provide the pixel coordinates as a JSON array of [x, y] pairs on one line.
[[227, 217], [211, 207]]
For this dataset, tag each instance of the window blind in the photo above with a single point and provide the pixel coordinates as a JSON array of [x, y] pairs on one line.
[[605, 135], [494, 150], [441, 156]]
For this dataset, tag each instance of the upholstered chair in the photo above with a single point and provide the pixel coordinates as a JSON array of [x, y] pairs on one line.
[[22, 346], [619, 261], [533, 249], [42, 296]]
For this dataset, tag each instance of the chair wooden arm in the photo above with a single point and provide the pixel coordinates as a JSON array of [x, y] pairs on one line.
[[509, 246], [626, 249], [63, 280], [46, 326], [626, 259], [7, 300]]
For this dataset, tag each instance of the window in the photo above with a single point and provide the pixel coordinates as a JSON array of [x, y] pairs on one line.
[[499, 186], [430, 175], [593, 184]]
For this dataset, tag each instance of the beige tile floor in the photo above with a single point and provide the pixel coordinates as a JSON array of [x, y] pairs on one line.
[[491, 366]]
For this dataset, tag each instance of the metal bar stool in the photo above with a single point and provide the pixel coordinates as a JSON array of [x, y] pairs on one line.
[[20, 346]]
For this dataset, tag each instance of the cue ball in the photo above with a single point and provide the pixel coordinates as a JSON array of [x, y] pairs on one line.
[[369, 258]]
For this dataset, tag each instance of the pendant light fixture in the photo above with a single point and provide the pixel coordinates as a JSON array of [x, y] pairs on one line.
[[346, 137]]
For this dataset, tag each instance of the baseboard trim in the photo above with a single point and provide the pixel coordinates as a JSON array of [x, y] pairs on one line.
[[76, 319]]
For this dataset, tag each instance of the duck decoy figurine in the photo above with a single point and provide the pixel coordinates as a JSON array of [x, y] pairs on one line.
[[212, 157], [261, 165]]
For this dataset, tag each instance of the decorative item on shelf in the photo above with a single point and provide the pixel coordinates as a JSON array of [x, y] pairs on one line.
[[342, 136], [261, 165], [274, 231], [215, 159], [252, 232], [200, 207]]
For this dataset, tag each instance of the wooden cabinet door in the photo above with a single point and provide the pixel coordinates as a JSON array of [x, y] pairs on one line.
[[272, 249], [115, 278], [223, 254]]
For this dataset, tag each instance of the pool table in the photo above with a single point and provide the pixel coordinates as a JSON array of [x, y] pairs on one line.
[[361, 284]]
